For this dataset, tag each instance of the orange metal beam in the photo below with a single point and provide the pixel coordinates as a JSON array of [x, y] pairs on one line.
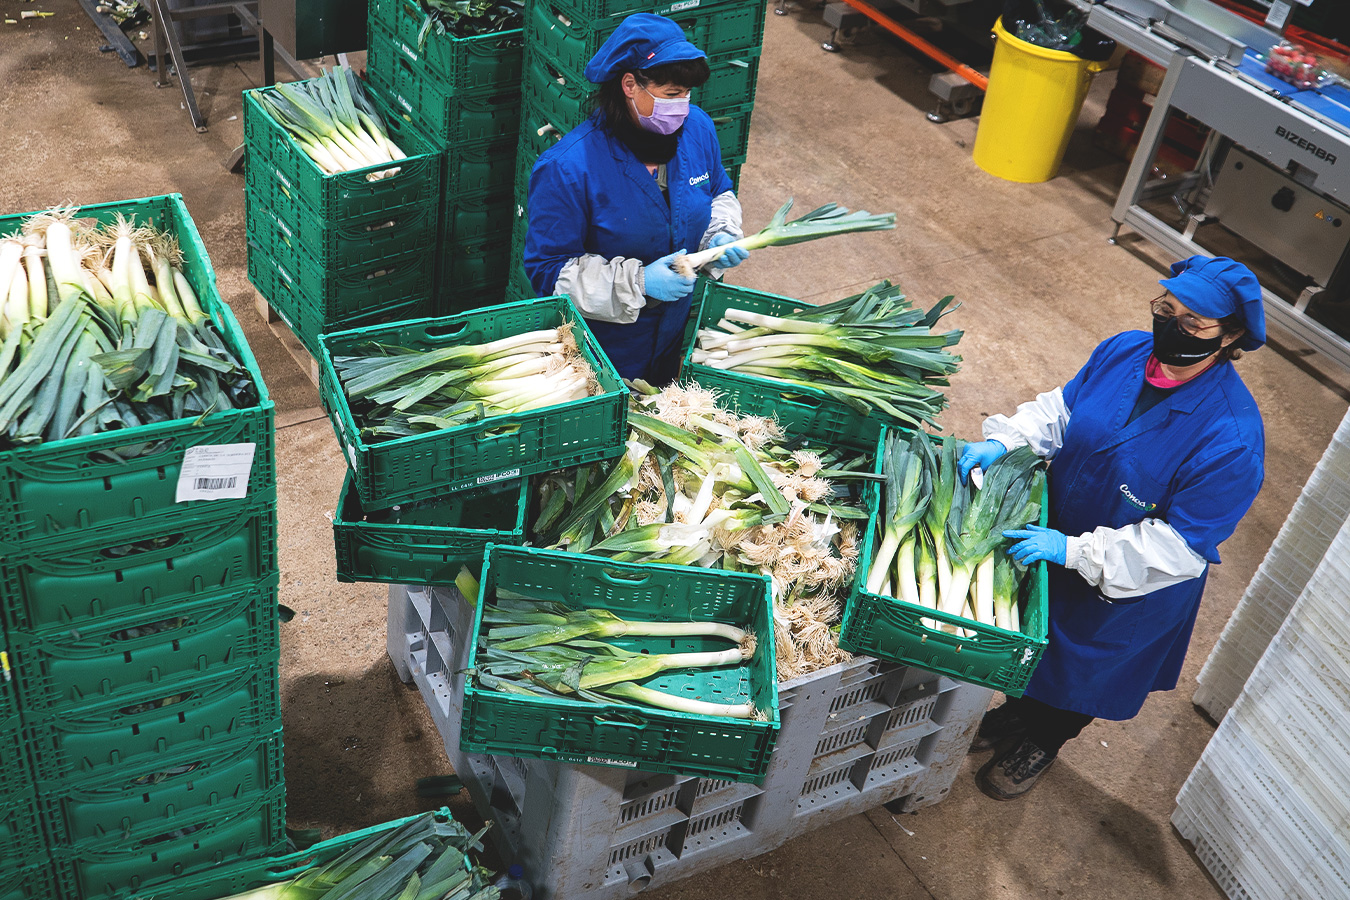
[[923, 46]]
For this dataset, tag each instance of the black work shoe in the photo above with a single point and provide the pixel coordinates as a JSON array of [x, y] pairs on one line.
[[1012, 774], [998, 725]]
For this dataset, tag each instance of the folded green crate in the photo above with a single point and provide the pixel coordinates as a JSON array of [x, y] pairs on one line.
[[70, 586], [448, 118], [459, 65], [175, 791], [428, 541], [618, 734], [477, 261], [307, 317], [338, 243], [186, 715], [111, 657], [21, 837], [32, 880], [571, 36], [82, 487], [249, 828], [617, 10], [498, 448], [15, 771], [415, 179]]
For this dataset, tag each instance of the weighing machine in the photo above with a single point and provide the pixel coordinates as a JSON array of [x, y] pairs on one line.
[[1275, 171]]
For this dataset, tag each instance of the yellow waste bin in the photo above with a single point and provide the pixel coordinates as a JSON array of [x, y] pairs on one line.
[[1030, 107]]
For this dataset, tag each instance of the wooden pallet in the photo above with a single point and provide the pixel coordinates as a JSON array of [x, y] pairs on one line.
[[298, 351]]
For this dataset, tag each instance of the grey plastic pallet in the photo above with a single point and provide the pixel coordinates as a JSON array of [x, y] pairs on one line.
[[854, 736]]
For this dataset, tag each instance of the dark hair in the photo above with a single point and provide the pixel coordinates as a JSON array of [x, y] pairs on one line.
[[687, 73], [1231, 325]]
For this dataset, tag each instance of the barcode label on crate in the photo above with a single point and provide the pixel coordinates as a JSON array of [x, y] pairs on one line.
[[215, 472], [500, 476], [611, 761], [684, 4]]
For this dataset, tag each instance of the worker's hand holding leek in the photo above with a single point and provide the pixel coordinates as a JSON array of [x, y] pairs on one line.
[[734, 255], [981, 454], [662, 282], [1035, 543]]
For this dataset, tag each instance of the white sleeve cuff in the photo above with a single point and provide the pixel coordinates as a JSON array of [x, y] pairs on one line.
[[1039, 423], [1133, 561], [606, 290]]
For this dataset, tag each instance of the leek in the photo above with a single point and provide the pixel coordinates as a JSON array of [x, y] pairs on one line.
[[824, 221], [334, 123]]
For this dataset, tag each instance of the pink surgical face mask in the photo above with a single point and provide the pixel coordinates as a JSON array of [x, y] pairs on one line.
[[668, 113]]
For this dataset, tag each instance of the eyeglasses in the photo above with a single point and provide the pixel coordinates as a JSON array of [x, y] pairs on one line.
[[1163, 310]]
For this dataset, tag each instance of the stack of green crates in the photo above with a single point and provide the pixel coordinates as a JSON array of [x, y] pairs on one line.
[[464, 94], [562, 35], [331, 252], [139, 712]]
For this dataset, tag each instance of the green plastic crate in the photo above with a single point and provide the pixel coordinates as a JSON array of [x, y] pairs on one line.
[[449, 119], [62, 488], [570, 40], [484, 62], [172, 792], [595, 10], [473, 215], [30, 881], [15, 771], [519, 287], [383, 274], [463, 298], [253, 826], [72, 586], [346, 195], [620, 734], [236, 877], [479, 261], [891, 629], [714, 298], [479, 453], [21, 839], [554, 93], [97, 740], [733, 132], [481, 167], [343, 242], [430, 544], [307, 318], [132, 653], [734, 173]]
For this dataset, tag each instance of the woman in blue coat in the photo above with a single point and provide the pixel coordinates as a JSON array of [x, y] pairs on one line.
[[1157, 451], [639, 183]]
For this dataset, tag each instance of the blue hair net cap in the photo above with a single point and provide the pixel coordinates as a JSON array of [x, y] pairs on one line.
[[641, 41], [1216, 287]]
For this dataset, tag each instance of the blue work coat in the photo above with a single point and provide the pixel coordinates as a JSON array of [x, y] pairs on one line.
[[590, 194], [1195, 461]]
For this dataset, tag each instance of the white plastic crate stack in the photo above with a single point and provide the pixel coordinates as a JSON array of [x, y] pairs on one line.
[[1301, 544], [1268, 805], [854, 737]]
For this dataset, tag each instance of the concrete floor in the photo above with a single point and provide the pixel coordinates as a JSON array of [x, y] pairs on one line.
[[1039, 286]]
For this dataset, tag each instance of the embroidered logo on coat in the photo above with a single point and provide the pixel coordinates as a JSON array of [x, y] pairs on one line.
[[1129, 495], [696, 179]]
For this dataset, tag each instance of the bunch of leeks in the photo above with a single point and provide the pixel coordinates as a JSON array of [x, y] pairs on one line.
[[700, 485], [469, 18], [423, 859], [334, 122], [549, 649], [101, 330], [395, 391], [871, 351], [939, 542], [823, 221]]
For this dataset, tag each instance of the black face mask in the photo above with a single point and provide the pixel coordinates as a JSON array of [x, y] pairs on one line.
[[1174, 347], [648, 146]]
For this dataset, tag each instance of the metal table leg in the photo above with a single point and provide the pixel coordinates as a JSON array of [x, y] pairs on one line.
[[165, 24]]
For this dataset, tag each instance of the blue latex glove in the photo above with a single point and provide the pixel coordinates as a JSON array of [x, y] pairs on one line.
[[980, 453], [733, 257], [1036, 543], [665, 284]]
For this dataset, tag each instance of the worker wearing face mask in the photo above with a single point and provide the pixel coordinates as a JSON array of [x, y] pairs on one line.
[[1156, 451], [638, 184]]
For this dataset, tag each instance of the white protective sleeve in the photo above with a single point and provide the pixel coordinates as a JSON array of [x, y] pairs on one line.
[[607, 290], [1039, 423], [1135, 560], [726, 218]]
